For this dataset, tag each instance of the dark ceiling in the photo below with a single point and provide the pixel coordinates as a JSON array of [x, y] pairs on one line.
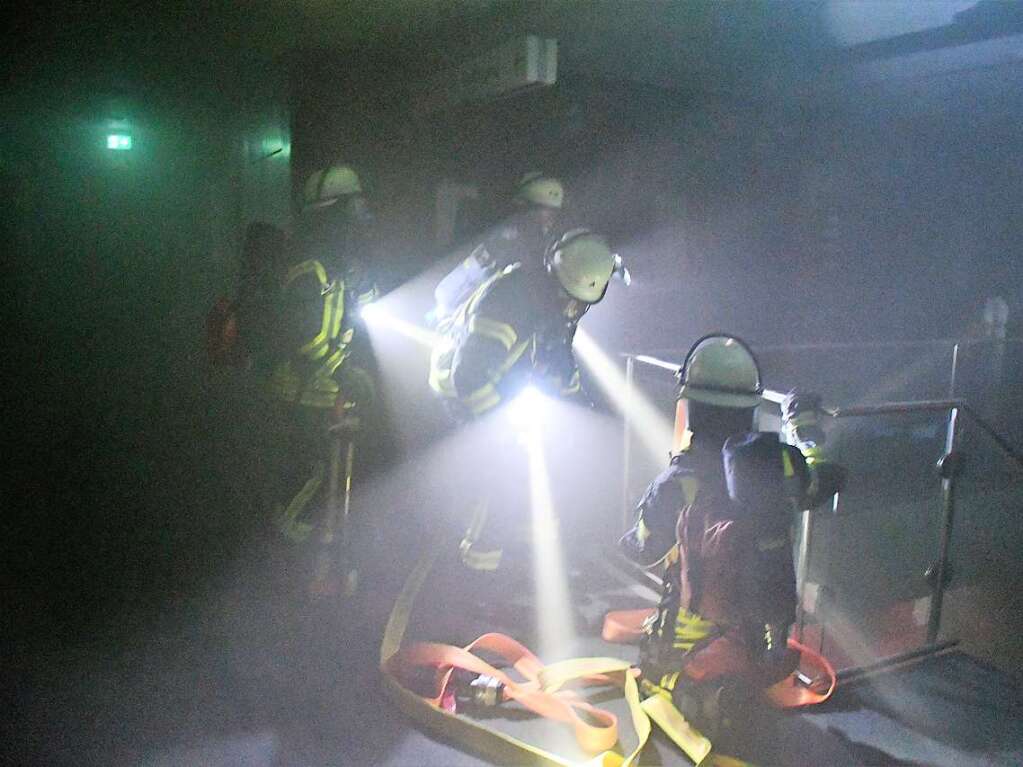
[[658, 42], [737, 47]]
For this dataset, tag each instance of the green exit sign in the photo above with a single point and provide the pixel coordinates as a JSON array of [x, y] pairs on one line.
[[119, 142]]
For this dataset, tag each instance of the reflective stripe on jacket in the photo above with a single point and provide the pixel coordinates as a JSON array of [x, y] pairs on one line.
[[307, 376], [491, 346]]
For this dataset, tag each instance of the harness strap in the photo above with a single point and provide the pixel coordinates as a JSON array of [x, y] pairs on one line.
[[629, 626]]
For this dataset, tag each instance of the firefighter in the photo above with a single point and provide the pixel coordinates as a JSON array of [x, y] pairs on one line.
[[718, 519], [316, 380], [520, 239], [515, 330], [518, 326], [538, 202]]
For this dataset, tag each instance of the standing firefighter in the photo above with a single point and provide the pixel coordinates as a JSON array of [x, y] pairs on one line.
[[719, 519], [313, 379], [517, 329]]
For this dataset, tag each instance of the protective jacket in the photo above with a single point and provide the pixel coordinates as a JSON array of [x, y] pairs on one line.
[[721, 530], [509, 332], [316, 327]]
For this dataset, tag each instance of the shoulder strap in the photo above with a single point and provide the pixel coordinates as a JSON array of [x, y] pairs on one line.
[[333, 301]]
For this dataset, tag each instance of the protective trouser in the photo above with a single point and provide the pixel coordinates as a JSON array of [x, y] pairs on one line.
[[300, 453]]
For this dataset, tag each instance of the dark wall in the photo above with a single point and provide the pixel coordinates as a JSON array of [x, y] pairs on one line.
[[113, 260]]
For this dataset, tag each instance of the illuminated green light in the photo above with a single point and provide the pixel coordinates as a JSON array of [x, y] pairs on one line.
[[119, 141]]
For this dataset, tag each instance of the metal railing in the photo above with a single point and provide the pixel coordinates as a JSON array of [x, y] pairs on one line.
[[949, 466]]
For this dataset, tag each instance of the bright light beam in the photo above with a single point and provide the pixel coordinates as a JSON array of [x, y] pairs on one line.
[[553, 603], [663, 364], [653, 427], [525, 411], [376, 316]]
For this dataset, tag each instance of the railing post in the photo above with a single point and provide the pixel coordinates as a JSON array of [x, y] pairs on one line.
[[948, 467], [803, 568], [955, 371]]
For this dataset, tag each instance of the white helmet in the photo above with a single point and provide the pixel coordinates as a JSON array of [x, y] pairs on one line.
[[327, 186], [584, 263], [537, 189], [721, 370]]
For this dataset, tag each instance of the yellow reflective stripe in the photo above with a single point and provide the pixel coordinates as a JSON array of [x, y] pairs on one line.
[[338, 311], [574, 385], [786, 460], [333, 363], [317, 347], [288, 522], [470, 305], [483, 399], [487, 396], [690, 628], [305, 267], [813, 455], [488, 393], [333, 307], [501, 332], [440, 381], [440, 368], [690, 486], [642, 531]]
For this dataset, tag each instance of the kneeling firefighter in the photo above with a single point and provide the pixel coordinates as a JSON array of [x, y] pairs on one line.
[[516, 329], [719, 519], [316, 379]]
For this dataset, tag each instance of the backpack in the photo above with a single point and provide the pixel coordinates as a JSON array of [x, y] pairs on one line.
[[504, 245], [458, 285], [735, 555]]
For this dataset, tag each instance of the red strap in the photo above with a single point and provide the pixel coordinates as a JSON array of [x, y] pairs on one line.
[[563, 706], [626, 626], [791, 693]]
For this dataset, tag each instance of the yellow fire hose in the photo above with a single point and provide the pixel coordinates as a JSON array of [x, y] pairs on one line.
[[505, 748]]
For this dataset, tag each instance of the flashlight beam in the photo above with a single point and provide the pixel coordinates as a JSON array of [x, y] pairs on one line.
[[664, 364], [554, 605], [653, 427], [553, 602], [377, 316]]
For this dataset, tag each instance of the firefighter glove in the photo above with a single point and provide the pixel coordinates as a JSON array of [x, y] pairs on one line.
[[800, 413]]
